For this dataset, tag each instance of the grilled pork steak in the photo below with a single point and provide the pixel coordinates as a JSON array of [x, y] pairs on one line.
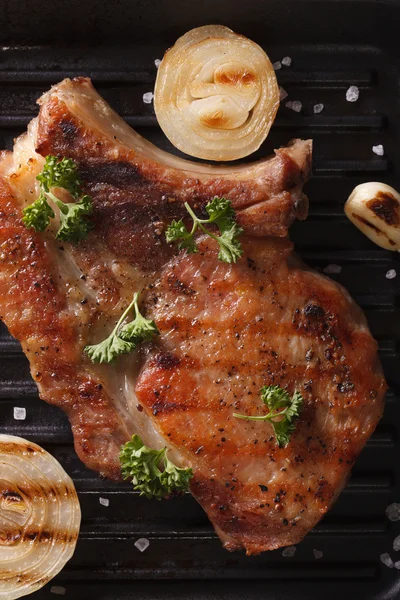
[[225, 330]]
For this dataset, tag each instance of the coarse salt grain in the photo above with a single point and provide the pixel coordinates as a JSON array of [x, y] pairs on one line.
[[58, 589], [277, 65], [393, 512], [287, 61], [385, 558], [295, 105], [142, 544], [157, 62], [379, 150], [391, 274], [104, 501], [396, 543], [317, 554], [331, 269], [397, 564], [289, 551], [318, 108], [148, 97], [282, 94], [19, 413], [352, 94]]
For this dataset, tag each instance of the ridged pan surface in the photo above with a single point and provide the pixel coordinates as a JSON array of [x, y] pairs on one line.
[[333, 45]]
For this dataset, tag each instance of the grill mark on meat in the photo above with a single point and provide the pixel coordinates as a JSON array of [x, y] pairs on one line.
[[328, 331], [338, 374], [118, 174], [161, 406]]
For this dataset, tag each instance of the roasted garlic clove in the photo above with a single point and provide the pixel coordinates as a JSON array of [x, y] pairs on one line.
[[375, 209]]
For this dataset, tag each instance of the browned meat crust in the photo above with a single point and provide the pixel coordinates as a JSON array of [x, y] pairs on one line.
[[139, 194], [226, 330], [34, 307]]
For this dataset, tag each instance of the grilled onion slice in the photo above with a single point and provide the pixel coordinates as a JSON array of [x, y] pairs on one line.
[[39, 517], [216, 94]]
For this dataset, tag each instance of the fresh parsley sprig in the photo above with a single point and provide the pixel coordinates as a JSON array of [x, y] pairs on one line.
[[283, 412], [151, 471], [38, 214], [123, 338], [60, 173], [221, 214], [74, 225]]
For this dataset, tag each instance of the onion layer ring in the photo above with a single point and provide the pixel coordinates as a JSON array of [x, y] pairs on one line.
[[216, 94], [39, 517]]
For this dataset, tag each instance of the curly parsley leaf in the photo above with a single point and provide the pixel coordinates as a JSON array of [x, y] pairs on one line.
[[177, 232], [38, 214], [221, 214], [151, 471], [230, 248], [123, 338], [74, 225], [283, 412], [60, 173], [140, 329], [108, 350]]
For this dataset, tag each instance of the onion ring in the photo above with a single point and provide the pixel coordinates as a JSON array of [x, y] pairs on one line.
[[216, 94], [39, 517]]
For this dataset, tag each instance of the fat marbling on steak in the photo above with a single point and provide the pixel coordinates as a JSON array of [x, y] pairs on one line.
[[226, 329]]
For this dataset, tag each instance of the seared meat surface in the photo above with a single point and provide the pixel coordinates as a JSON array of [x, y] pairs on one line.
[[225, 330]]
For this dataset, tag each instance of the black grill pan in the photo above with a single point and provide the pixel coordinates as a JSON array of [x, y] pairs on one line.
[[333, 44]]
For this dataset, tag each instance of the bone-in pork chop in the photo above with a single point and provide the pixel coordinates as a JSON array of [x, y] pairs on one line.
[[225, 329]]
